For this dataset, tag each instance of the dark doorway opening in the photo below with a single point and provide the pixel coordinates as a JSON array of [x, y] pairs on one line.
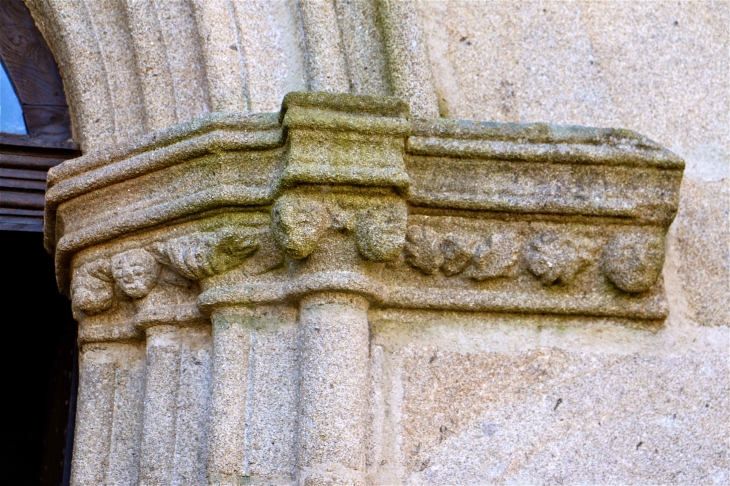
[[40, 366], [40, 358]]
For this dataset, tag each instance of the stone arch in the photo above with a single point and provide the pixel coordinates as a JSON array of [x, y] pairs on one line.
[[135, 67], [43, 380]]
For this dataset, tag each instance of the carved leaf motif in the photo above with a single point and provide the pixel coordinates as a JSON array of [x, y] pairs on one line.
[[494, 256], [423, 249], [92, 289], [100, 269], [557, 259], [456, 254], [268, 256], [205, 254]]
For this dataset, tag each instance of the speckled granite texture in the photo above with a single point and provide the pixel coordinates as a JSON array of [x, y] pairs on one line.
[[656, 67], [536, 312]]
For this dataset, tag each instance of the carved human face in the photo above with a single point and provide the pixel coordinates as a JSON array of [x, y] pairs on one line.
[[381, 231], [136, 272], [299, 223]]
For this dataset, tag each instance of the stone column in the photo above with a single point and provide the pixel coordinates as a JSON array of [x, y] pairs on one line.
[[327, 237], [164, 302], [176, 404], [342, 216], [200, 256], [91, 443], [230, 380], [335, 345], [136, 273], [157, 460], [232, 430], [106, 448]]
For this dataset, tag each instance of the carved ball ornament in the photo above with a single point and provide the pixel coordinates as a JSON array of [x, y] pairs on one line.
[[634, 261]]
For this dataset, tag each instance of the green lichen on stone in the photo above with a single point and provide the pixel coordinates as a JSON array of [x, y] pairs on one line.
[[347, 103]]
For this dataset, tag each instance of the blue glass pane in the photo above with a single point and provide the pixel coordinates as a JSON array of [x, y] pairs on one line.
[[11, 113]]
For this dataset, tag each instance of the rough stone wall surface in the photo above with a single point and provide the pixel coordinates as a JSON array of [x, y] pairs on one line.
[[455, 397], [480, 399]]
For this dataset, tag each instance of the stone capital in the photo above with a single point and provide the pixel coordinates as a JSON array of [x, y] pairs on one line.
[[349, 193]]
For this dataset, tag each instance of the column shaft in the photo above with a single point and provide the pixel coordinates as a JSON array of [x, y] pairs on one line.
[[94, 418], [109, 418], [327, 65], [334, 339], [157, 460], [230, 378]]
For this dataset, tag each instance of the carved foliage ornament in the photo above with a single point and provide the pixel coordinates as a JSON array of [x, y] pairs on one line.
[[479, 259], [206, 254], [555, 258], [92, 290], [476, 258], [136, 272], [631, 261]]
